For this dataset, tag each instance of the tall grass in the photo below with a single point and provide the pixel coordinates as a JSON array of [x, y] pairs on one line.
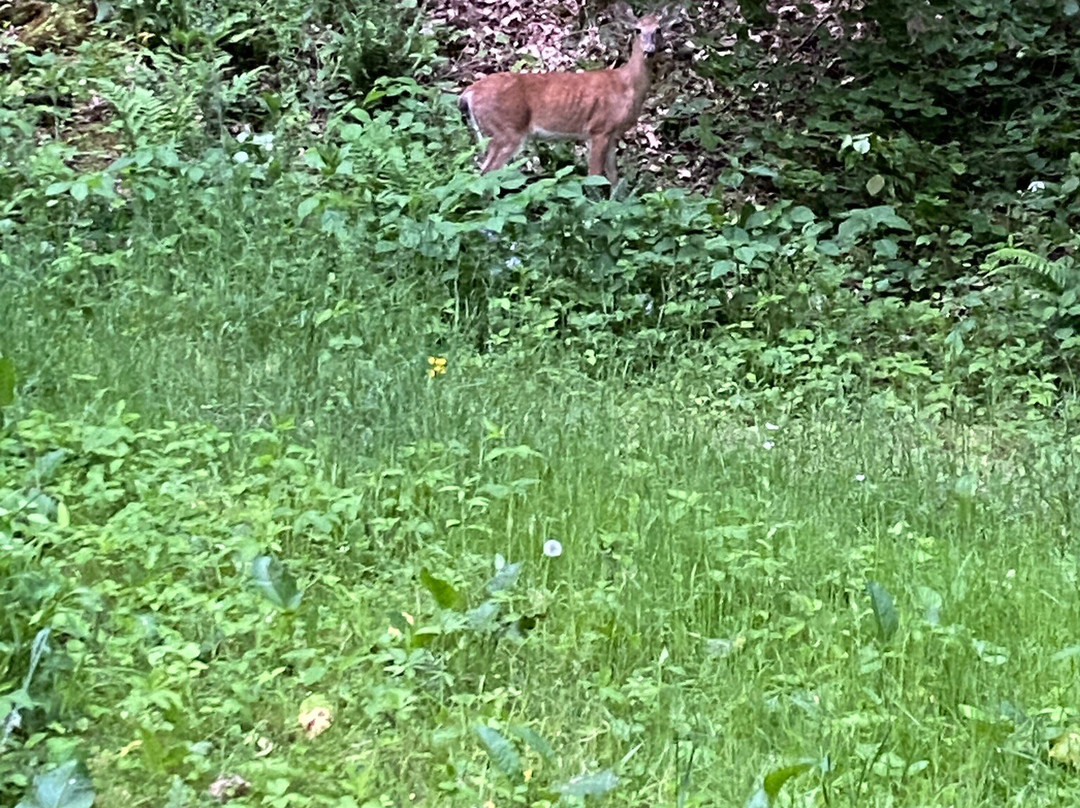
[[711, 594], [707, 621]]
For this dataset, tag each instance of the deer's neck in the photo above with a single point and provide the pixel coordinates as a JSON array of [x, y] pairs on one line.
[[639, 71]]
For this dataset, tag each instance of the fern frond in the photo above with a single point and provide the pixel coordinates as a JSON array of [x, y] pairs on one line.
[[1059, 275]]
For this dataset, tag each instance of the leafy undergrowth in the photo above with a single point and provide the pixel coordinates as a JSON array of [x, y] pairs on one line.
[[608, 593]]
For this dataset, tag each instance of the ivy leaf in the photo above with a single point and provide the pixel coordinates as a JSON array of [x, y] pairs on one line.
[[444, 593], [65, 786], [888, 620], [275, 582], [501, 751]]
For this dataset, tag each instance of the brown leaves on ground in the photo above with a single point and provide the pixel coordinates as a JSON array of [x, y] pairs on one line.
[[489, 36], [44, 26]]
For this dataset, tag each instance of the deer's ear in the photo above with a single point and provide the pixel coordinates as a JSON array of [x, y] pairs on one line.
[[670, 14], [622, 14]]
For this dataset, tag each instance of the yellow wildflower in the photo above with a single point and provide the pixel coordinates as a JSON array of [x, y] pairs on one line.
[[438, 366]]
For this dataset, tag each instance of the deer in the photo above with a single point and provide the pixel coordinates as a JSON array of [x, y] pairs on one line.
[[597, 106]]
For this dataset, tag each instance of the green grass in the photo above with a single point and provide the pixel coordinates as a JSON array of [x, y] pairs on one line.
[[711, 594], [711, 603]]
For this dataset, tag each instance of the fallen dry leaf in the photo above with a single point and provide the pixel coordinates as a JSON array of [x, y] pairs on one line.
[[1066, 750]]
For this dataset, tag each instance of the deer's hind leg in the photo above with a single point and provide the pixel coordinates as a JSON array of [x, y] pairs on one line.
[[500, 151]]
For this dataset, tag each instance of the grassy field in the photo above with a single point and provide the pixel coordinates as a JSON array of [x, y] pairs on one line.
[[334, 474], [708, 620]]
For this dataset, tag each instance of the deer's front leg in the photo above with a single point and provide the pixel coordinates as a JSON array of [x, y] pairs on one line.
[[602, 156]]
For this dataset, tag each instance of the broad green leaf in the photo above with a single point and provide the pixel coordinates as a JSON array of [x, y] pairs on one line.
[[774, 780], [444, 593], [306, 207], [46, 465], [888, 620], [535, 740], [886, 215], [851, 228], [721, 268], [275, 582], [65, 786], [886, 248], [746, 254], [483, 616], [1066, 653], [595, 784], [505, 578], [800, 214], [79, 191], [501, 751]]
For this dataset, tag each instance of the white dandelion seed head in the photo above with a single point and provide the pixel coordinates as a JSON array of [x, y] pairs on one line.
[[768, 444], [553, 548], [859, 478]]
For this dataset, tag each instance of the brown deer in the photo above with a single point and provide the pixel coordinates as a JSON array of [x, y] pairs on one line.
[[593, 105]]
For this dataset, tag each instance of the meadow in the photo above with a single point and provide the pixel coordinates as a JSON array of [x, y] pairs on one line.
[[337, 474]]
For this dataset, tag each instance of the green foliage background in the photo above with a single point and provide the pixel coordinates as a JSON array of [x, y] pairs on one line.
[[804, 430]]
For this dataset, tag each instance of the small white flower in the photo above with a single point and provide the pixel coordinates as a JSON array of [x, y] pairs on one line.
[[771, 427], [768, 444], [240, 157], [1010, 575], [860, 478], [553, 548], [1036, 185]]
